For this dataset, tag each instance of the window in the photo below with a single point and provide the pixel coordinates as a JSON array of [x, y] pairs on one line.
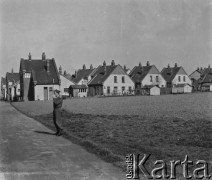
[[18, 90], [179, 78], [27, 75], [108, 89], [150, 78], [184, 78], [123, 79], [157, 80], [115, 90], [115, 79]]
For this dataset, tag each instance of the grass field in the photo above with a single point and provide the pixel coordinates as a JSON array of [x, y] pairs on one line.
[[168, 127]]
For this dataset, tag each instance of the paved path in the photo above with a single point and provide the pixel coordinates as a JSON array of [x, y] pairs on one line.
[[28, 155]]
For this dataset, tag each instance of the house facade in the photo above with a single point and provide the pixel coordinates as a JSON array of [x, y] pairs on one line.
[[66, 82], [3, 89], [205, 82], [110, 80], [78, 90], [147, 75], [38, 78], [12, 86], [175, 76]]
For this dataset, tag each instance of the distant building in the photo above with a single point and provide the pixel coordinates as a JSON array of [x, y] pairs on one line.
[[38, 78], [205, 82], [66, 82], [12, 86], [181, 88], [78, 90], [83, 76], [3, 88], [175, 76], [110, 80], [147, 75]]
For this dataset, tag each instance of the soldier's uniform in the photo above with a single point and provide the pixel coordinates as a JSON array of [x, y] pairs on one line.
[[57, 104]]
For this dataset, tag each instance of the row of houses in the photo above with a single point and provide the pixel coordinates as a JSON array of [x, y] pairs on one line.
[[37, 78]]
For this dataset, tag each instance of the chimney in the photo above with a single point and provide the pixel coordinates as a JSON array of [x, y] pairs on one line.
[[147, 63], [139, 64], [30, 56], [197, 68], [175, 65], [60, 70], [201, 69], [83, 67], [104, 63], [209, 66], [64, 73], [168, 66], [12, 70], [75, 74], [104, 69], [112, 63], [43, 56], [91, 66], [125, 68], [47, 66]]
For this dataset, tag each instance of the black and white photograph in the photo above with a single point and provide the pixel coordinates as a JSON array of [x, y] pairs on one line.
[[105, 89]]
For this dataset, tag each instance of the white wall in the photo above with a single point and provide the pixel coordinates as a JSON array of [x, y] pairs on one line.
[[65, 83], [175, 81], [119, 84], [39, 91], [161, 81]]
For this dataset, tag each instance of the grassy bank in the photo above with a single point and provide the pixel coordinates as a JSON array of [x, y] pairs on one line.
[[111, 137]]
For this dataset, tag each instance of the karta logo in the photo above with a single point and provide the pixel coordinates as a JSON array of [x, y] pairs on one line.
[[136, 166]]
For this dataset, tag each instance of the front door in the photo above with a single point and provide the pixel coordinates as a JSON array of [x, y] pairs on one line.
[[45, 93]]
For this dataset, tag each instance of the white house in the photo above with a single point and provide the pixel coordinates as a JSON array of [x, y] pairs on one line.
[[38, 78], [66, 82], [147, 75], [12, 86], [3, 89], [175, 76], [110, 80]]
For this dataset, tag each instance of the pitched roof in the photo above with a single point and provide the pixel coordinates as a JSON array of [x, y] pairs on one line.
[[207, 78], [68, 77], [39, 72], [139, 73], [82, 86], [13, 77], [101, 74], [82, 73], [169, 73]]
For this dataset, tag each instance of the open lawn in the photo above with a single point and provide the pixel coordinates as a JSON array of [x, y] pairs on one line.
[[168, 127]]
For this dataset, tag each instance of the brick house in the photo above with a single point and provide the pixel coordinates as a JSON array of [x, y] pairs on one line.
[[38, 78], [110, 80], [12, 86], [3, 88], [175, 76], [147, 76]]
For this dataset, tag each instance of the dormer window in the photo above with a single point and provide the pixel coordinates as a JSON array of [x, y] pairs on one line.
[[27, 75]]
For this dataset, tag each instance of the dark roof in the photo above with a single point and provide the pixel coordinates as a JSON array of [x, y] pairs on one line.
[[82, 73], [139, 72], [82, 86], [207, 78], [3, 81], [169, 73], [39, 71], [13, 77], [101, 75]]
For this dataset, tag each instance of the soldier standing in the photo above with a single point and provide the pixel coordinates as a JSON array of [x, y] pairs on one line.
[[57, 104]]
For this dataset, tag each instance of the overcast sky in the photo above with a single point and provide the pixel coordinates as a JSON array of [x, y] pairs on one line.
[[78, 32]]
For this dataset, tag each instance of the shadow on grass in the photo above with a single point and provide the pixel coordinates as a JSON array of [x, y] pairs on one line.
[[44, 132]]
